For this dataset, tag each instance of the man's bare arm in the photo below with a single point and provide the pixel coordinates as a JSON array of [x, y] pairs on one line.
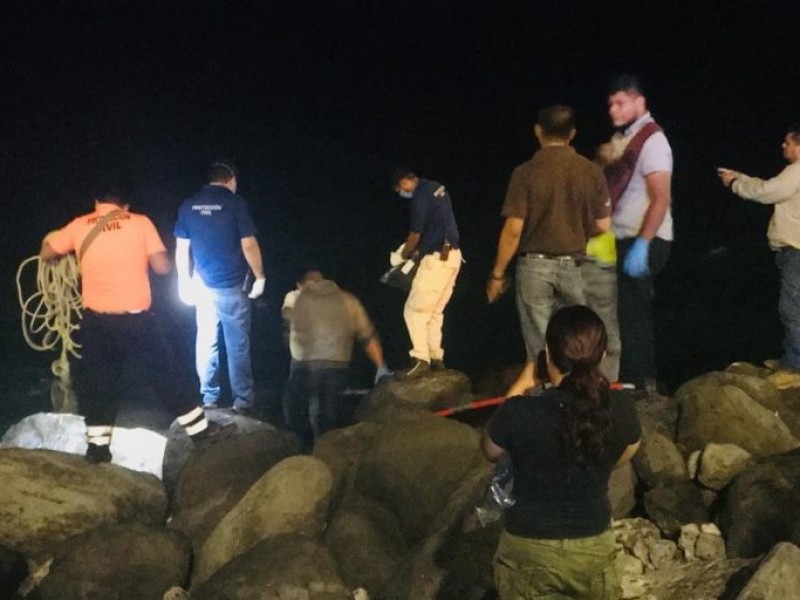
[[660, 196], [252, 254], [159, 262]]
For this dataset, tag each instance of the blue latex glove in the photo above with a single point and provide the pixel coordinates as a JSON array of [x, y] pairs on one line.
[[636, 264], [381, 373]]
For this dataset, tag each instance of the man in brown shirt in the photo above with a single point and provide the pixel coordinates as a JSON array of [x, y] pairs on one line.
[[555, 202]]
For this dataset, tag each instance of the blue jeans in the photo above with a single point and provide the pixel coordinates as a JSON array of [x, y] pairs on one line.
[[230, 308], [788, 261], [539, 282]]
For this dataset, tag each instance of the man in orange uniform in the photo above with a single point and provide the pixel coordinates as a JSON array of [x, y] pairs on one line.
[[117, 323]]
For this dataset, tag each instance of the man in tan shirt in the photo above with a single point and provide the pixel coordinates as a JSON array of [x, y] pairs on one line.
[[783, 191]]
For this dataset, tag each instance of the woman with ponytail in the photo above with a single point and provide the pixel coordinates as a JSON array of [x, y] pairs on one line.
[[563, 445]]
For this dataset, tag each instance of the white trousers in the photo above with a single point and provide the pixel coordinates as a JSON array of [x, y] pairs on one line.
[[424, 310]]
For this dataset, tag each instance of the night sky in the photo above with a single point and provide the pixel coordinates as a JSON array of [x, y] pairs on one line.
[[317, 101]]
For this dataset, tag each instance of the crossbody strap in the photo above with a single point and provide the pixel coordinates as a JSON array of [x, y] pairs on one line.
[[98, 227]]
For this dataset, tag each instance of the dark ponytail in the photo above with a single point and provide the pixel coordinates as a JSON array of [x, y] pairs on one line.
[[576, 340]]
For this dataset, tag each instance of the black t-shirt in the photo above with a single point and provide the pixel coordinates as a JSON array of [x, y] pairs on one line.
[[556, 499]]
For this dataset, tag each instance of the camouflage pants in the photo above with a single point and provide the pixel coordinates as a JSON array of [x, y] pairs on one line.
[[526, 568]]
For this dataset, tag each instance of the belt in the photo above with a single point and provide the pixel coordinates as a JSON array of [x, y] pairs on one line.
[[573, 257]]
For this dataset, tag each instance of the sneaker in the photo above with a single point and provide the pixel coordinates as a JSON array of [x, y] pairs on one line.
[[213, 434], [97, 453], [417, 369], [437, 364]]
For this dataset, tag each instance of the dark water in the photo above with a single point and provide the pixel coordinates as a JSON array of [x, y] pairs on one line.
[[711, 310]]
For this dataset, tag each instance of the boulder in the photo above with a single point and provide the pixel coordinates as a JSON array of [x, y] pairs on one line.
[[396, 399], [735, 409], [658, 458], [414, 466], [719, 464], [342, 450], [658, 415], [709, 545], [215, 478], [777, 576], [695, 580], [180, 447], [674, 503], [760, 507], [622, 490], [280, 568], [126, 561], [49, 496], [368, 543], [291, 498], [422, 573]]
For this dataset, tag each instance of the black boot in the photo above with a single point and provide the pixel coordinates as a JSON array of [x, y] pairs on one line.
[[97, 453]]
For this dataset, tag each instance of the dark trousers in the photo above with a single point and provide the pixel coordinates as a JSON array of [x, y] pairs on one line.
[[108, 343], [313, 400], [634, 307]]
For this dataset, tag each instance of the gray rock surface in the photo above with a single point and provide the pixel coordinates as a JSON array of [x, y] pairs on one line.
[[622, 490], [413, 467], [760, 507], [367, 542], [394, 399], [673, 504], [658, 457], [735, 409], [291, 498], [47, 497], [777, 576], [214, 479], [720, 463], [125, 561], [282, 568]]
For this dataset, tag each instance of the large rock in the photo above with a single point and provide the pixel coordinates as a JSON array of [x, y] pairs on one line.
[[761, 508], [282, 568], [672, 504], [414, 466], [126, 561], [397, 399], [368, 543], [735, 409], [777, 577], [719, 464], [622, 490], [659, 458], [291, 498], [180, 447], [215, 478], [47, 497], [659, 414], [422, 573], [342, 450]]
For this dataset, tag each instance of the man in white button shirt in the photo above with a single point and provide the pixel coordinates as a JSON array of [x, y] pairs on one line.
[[783, 191]]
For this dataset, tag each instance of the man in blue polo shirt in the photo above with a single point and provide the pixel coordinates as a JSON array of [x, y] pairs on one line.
[[215, 235], [433, 237]]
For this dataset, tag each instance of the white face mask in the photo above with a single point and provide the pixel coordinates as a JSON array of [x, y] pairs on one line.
[[405, 194]]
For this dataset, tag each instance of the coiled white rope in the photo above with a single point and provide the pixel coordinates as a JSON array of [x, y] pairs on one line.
[[50, 316]]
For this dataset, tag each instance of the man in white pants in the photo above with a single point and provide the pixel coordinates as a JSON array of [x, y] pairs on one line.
[[433, 238]]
